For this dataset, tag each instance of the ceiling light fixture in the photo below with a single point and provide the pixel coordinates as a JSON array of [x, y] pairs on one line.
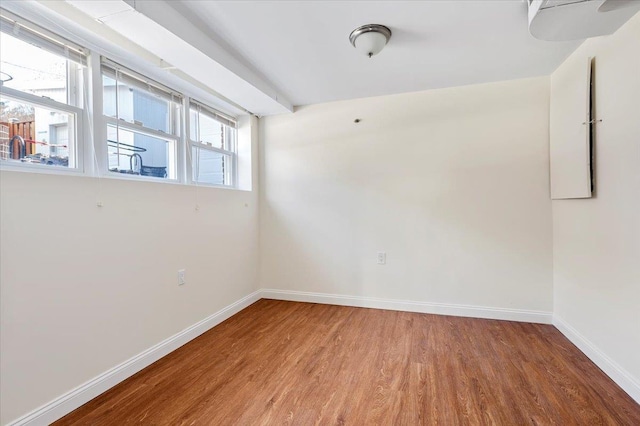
[[370, 39]]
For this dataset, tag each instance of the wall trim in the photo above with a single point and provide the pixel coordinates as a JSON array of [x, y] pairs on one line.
[[623, 378], [73, 399], [522, 315]]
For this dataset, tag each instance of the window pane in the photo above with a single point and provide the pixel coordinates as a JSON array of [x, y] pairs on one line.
[[206, 130], [31, 69], [139, 154], [211, 167], [193, 125], [108, 96], [135, 105], [33, 134]]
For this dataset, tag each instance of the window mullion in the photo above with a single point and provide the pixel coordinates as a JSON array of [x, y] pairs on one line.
[[96, 148], [211, 148], [184, 148], [137, 128], [39, 100]]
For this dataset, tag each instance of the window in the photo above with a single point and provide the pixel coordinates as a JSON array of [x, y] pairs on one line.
[[41, 96], [143, 123], [146, 129], [212, 146], [33, 133]]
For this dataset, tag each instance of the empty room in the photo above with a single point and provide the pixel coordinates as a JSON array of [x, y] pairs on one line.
[[319, 212]]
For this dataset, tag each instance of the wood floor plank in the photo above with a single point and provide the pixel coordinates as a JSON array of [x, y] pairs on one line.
[[306, 364]]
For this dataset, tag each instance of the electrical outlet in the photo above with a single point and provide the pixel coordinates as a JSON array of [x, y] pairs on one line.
[[382, 258], [181, 279]]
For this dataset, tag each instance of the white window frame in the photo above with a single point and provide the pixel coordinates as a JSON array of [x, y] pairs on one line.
[[76, 149], [35, 34], [173, 137], [74, 54], [88, 146], [191, 143]]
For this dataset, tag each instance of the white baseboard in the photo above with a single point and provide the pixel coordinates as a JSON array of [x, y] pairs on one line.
[[623, 378], [73, 399], [68, 402], [521, 315]]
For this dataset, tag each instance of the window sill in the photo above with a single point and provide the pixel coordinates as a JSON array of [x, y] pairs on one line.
[[52, 170], [40, 169]]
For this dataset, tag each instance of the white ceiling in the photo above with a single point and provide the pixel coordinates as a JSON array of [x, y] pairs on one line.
[[302, 47]]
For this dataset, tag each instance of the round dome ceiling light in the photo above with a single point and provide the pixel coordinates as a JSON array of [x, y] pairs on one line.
[[370, 39]]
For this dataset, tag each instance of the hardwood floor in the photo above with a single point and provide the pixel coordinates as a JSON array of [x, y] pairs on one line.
[[306, 364]]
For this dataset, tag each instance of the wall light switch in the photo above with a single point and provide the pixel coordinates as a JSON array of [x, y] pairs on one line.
[[382, 258], [181, 279]]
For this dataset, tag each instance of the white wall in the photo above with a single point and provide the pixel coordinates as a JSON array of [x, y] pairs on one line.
[[452, 184], [597, 241], [84, 288]]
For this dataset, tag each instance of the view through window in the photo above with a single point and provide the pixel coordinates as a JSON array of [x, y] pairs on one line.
[[213, 147], [142, 125], [37, 123]]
